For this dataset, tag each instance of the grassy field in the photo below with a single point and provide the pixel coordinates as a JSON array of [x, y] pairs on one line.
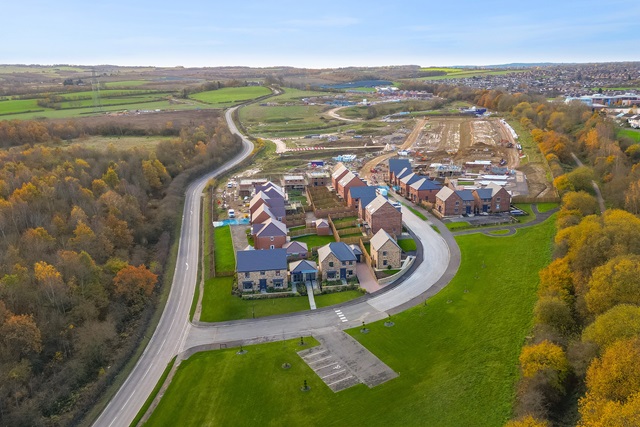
[[461, 73], [629, 133], [291, 94], [312, 240], [291, 120], [499, 232], [120, 142], [457, 357], [164, 105], [230, 96], [224, 257], [13, 106], [407, 245], [458, 225], [219, 305]]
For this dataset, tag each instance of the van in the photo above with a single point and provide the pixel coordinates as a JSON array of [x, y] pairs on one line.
[[231, 213]]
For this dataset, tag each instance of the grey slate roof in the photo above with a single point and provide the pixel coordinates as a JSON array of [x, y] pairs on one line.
[[365, 194], [411, 178], [404, 172], [272, 227], [356, 249], [269, 259], [426, 184], [341, 250], [396, 165], [484, 193], [377, 203], [303, 266], [465, 195], [295, 247]]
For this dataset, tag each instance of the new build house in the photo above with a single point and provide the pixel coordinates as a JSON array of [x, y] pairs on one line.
[[271, 234], [381, 214], [259, 270], [385, 251], [337, 261]]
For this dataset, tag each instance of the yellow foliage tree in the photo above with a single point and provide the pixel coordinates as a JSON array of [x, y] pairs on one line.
[[621, 322], [616, 282], [545, 357], [527, 421]]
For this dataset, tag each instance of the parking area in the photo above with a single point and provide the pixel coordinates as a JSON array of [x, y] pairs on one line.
[[342, 362]]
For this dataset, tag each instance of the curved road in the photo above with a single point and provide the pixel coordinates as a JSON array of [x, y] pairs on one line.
[[175, 334], [173, 328]]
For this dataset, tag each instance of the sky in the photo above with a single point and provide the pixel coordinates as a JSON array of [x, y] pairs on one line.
[[320, 34]]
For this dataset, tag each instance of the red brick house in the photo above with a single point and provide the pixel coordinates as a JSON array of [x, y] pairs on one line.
[[337, 173], [381, 214], [359, 197], [424, 190], [492, 199], [454, 202], [269, 235], [396, 166], [406, 181], [348, 180]]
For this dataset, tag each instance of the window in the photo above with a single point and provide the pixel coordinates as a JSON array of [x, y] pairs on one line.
[[330, 263], [384, 262], [277, 272], [455, 210], [497, 199], [457, 203], [331, 274], [247, 285], [349, 272], [277, 283], [384, 253], [272, 247], [271, 238], [262, 273], [344, 263], [247, 275]]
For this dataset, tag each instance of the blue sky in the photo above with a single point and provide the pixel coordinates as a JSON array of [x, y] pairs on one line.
[[318, 34]]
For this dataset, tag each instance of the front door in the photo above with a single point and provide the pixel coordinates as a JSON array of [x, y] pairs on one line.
[[468, 210], [343, 273], [485, 208], [263, 285]]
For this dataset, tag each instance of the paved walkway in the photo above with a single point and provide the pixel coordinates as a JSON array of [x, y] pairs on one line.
[[312, 300], [342, 362], [367, 280], [512, 228]]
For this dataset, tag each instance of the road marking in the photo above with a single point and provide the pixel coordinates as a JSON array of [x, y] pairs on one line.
[[336, 382], [187, 264], [320, 360], [342, 317], [325, 366], [334, 373]]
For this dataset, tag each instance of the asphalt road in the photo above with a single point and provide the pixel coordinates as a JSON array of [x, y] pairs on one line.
[[173, 328], [175, 334]]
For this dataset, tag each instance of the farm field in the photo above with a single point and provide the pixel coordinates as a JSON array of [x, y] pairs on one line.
[[294, 120], [227, 97], [457, 356], [461, 73], [13, 106]]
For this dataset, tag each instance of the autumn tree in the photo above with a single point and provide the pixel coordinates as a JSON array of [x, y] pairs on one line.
[[135, 284], [616, 282], [620, 323], [546, 358], [528, 421], [20, 336]]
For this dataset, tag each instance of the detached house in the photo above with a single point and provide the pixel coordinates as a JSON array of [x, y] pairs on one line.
[[337, 261], [259, 270], [423, 190], [381, 214], [385, 251], [271, 234]]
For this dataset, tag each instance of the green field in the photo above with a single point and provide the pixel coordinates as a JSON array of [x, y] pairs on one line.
[[224, 255], [229, 96], [544, 207], [291, 120], [629, 133], [457, 225], [127, 83], [218, 304], [291, 95], [13, 106], [499, 232], [457, 357]]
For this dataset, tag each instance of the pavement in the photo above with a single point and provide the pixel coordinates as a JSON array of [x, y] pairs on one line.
[[366, 278], [312, 300]]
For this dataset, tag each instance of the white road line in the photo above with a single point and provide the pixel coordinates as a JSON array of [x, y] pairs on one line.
[[325, 366], [186, 265], [320, 360], [344, 320], [336, 382], [335, 373]]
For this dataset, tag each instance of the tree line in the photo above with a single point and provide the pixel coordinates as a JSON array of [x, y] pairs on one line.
[[84, 238]]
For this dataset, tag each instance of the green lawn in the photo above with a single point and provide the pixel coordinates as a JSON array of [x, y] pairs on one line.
[[630, 133], [457, 357], [407, 244], [219, 305], [229, 96], [12, 106], [499, 232], [312, 240], [544, 207], [415, 212], [224, 256]]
